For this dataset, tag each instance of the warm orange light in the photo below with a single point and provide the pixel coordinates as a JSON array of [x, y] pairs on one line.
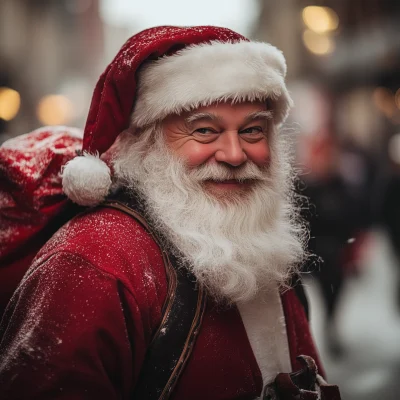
[[55, 110], [318, 44], [10, 102], [320, 19]]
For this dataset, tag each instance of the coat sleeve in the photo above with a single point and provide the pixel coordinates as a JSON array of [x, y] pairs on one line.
[[65, 335]]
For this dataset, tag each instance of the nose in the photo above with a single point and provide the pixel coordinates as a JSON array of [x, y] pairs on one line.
[[230, 149]]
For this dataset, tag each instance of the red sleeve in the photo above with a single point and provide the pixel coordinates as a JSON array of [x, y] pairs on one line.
[[65, 335]]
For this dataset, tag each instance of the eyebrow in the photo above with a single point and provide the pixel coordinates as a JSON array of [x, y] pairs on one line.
[[263, 115], [202, 116]]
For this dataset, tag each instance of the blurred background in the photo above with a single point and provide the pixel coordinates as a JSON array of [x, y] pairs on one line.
[[343, 72]]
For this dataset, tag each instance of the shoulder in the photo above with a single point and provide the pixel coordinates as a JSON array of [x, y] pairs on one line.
[[114, 244], [102, 236]]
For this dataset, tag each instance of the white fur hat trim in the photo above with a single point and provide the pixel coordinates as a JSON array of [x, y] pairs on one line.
[[86, 180], [202, 74]]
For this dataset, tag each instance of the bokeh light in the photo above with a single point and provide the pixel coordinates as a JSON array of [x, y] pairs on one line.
[[320, 19], [318, 44], [55, 110], [10, 102]]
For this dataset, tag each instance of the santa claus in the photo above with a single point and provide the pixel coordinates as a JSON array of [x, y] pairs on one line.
[[188, 180]]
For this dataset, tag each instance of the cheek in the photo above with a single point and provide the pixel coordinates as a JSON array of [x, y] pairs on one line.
[[196, 153], [258, 152]]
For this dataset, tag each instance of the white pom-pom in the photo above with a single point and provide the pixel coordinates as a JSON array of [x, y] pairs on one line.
[[86, 180]]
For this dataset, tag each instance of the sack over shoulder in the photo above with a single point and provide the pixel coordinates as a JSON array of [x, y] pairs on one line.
[[32, 203]]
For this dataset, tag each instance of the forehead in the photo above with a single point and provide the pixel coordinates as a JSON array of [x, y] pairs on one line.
[[223, 112], [243, 108]]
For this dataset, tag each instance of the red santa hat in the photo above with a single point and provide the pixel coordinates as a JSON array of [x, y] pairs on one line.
[[166, 70]]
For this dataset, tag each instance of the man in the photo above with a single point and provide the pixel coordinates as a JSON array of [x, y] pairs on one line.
[[188, 119]]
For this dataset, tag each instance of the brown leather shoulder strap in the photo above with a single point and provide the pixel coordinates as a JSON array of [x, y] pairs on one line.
[[173, 342]]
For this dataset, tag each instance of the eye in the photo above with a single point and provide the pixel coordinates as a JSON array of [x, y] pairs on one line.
[[205, 131], [253, 130], [205, 135]]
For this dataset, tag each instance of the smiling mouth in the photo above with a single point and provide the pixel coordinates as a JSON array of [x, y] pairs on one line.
[[231, 181], [230, 184]]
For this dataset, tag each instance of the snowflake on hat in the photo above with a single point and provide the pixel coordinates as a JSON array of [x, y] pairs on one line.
[[166, 70]]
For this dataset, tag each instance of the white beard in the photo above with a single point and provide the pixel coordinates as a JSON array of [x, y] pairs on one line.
[[235, 246]]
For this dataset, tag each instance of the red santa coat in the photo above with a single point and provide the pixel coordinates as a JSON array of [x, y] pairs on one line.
[[80, 322]]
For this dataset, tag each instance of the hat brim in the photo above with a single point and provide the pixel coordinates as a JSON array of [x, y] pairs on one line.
[[202, 74]]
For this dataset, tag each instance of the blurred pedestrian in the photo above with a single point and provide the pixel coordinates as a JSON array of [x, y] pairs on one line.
[[337, 215]]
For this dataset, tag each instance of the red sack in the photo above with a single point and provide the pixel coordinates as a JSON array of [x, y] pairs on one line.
[[32, 203]]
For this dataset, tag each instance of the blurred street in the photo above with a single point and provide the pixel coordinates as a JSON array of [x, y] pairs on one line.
[[369, 327]]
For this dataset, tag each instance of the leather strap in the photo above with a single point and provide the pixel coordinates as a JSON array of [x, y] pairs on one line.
[[173, 342]]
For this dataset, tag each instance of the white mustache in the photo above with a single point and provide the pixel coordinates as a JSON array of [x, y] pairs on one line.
[[220, 172]]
